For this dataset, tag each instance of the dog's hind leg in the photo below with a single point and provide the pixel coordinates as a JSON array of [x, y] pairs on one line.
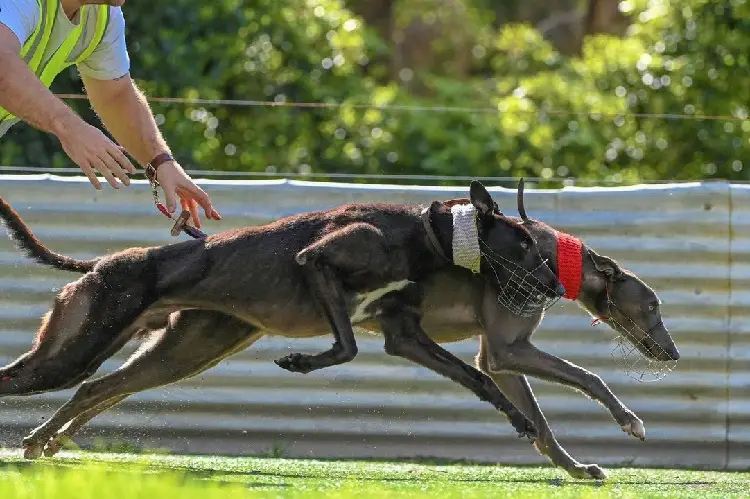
[[193, 341], [355, 249], [88, 323], [65, 433], [517, 389], [404, 337], [206, 320]]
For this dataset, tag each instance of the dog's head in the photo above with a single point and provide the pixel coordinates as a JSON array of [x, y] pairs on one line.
[[610, 293], [617, 297], [511, 259]]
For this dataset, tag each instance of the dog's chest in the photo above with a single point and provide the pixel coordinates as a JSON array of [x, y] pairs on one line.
[[364, 306]]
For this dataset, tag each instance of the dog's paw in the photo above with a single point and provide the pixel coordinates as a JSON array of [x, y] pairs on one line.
[[54, 445], [295, 362], [32, 451], [523, 426], [635, 428], [587, 472]]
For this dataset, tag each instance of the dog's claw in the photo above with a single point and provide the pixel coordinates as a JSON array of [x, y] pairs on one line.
[[587, 471], [295, 362], [635, 428]]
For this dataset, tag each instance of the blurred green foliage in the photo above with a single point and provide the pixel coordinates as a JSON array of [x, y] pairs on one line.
[[534, 112]]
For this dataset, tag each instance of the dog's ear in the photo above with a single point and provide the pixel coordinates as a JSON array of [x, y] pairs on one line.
[[481, 199], [606, 266], [521, 206]]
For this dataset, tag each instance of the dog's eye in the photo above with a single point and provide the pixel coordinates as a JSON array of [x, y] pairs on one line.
[[525, 245], [651, 308]]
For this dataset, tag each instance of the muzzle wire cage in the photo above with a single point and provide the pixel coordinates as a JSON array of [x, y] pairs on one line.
[[634, 363], [523, 294]]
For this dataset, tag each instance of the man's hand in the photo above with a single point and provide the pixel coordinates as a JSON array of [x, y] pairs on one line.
[[91, 150], [176, 183], [22, 94], [25, 96], [126, 114]]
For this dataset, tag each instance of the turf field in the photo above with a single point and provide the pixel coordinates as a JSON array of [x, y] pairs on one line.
[[124, 476]]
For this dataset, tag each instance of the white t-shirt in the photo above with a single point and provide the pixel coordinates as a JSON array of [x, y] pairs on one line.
[[108, 61]]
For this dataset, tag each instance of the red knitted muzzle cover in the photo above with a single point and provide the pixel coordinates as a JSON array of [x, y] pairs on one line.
[[569, 263]]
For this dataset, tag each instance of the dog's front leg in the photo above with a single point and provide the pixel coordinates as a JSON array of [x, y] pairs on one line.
[[358, 248], [404, 337], [327, 291], [516, 387], [524, 358]]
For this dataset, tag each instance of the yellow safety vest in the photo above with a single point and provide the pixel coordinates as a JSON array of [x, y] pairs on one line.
[[33, 49]]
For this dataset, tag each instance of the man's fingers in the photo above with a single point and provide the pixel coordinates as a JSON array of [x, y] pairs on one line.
[[119, 154], [200, 196], [115, 169], [170, 197], [102, 167], [89, 172], [193, 207]]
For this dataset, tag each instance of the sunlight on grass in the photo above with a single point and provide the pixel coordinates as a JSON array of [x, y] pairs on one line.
[[99, 481], [79, 475]]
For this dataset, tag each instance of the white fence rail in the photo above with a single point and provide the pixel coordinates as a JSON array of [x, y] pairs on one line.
[[691, 242]]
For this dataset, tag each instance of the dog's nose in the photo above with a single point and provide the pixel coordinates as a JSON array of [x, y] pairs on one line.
[[674, 353], [670, 349], [560, 289]]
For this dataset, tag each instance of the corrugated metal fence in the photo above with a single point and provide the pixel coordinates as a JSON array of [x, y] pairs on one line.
[[691, 242]]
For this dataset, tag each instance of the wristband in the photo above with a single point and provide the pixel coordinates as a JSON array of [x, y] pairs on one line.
[[155, 163]]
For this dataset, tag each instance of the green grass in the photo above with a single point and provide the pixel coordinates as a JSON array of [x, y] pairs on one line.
[[125, 476]]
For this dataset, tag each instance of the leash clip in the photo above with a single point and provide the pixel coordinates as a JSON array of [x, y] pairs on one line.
[[180, 224]]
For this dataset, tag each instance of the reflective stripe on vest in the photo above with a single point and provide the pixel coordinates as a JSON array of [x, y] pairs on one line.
[[33, 49]]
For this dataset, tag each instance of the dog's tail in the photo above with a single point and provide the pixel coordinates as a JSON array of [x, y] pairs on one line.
[[27, 241]]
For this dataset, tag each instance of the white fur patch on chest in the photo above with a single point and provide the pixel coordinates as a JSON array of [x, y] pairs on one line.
[[363, 301]]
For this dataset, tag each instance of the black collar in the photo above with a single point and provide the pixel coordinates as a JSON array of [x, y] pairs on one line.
[[432, 239]]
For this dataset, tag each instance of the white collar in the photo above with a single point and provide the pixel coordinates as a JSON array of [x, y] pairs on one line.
[[465, 237]]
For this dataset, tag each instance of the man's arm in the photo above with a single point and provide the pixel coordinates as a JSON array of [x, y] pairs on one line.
[[125, 112], [26, 97]]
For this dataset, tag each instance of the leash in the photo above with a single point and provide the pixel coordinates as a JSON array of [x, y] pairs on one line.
[[180, 224]]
